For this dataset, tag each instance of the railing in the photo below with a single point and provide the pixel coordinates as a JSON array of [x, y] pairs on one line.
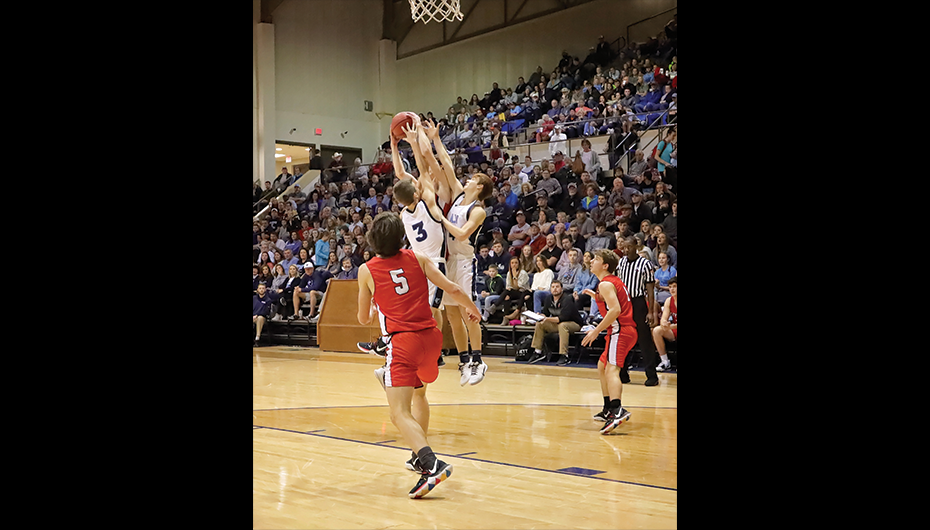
[[646, 19]]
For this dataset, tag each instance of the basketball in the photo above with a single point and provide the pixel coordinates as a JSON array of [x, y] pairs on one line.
[[400, 120]]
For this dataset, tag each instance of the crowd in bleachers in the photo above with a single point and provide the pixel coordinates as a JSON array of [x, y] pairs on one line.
[[539, 208]]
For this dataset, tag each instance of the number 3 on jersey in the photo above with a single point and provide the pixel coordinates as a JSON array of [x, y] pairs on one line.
[[421, 234], [398, 279]]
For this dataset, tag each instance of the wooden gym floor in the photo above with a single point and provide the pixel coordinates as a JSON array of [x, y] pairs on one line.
[[524, 448]]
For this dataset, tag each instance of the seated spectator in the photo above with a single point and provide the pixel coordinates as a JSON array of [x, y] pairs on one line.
[[256, 277], [333, 264], [663, 273], [571, 203], [662, 209], [639, 165], [289, 258], [566, 260], [312, 286], [541, 281], [562, 317], [537, 241], [516, 292], [590, 201], [668, 325], [280, 277], [662, 245], [586, 280], [585, 226], [601, 239], [262, 304], [528, 261], [265, 275], [499, 251], [321, 249], [551, 252], [349, 270], [518, 234], [670, 224], [494, 288]]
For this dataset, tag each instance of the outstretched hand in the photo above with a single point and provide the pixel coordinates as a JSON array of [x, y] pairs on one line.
[[430, 128], [411, 132]]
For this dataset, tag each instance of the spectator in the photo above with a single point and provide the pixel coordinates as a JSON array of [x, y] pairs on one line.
[[494, 288], [566, 260], [312, 286], [316, 161], [541, 281], [264, 259], [528, 261], [337, 172], [518, 233], [592, 162], [585, 226], [662, 245], [571, 203], [670, 224], [621, 192], [551, 252], [600, 239], [265, 275], [256, 277], [562, 317], [639, 165], [333, 265], [279, 278], [321, 249], [664, 150], [289, 258], [668, 325], [282, 181], [537, 241], [499, 251], [586, 280], [543, 216], [349, 270], [262, 304], [664, 272], [552, 187], [516, 293], [557, 141], [662, 209], [589, 202]]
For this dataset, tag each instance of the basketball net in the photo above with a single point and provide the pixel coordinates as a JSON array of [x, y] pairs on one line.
[[438, 10]]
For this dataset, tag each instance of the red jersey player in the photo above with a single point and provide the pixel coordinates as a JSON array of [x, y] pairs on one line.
[[397, 280], [613, 302], [668, 325]]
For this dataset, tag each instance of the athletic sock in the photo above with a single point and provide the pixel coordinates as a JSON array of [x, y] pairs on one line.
[[463, 357], [476, 357], [664, 358], [615, 406], [427, 458], [538, 351], [606, 403]]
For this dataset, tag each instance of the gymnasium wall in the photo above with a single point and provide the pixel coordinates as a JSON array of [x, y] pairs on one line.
[[430, 81], [326, 66]]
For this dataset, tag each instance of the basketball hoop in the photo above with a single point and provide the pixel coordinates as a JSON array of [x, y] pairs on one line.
[[438, 10]]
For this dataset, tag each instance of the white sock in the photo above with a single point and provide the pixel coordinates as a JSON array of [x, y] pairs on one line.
[[538, 351], [664, 358]]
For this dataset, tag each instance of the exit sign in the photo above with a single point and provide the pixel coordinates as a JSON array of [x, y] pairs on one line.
[[318, 132], [287, 159]]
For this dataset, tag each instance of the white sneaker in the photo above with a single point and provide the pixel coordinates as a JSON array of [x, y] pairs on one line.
[[663, 366], [379, 373], [466, 373], [477, 373]]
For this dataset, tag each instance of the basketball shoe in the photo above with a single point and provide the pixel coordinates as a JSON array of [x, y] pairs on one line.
[[465, 370], [477, 372], [614, 421], [379, 374], [601, 416], [413, 464], [431, 478], [378, 347]]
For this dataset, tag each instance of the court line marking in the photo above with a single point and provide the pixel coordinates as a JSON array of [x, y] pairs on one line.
[[466, 404], [377, 444]]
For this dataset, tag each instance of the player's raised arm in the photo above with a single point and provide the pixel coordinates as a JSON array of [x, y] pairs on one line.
[[398, 165], [448, 168]]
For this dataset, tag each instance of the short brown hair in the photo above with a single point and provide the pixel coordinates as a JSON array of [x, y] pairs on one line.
[[609, 257], [387, 234], [487, 186], [404, 191]]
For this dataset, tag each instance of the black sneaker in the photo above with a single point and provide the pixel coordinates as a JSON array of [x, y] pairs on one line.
[[615, 421], [563, 361], [430, 479], [413, 464], [442, 362], [378, 347], [651, 382], [601, 416], [537, 357]]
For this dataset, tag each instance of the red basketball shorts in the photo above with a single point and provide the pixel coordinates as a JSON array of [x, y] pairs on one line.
[[619, 345], [412, 358]]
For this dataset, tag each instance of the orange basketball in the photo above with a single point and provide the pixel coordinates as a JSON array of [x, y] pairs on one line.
[[400, 120]]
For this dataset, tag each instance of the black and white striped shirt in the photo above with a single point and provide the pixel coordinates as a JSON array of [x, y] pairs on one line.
[[635, 275]]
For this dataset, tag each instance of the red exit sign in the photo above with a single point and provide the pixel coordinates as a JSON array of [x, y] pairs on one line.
[[318, 132]]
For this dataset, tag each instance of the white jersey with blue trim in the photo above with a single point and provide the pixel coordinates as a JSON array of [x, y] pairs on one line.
[[458, 215], [424, 233]]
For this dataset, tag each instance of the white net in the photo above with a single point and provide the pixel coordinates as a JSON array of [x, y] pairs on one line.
[[437, 10]]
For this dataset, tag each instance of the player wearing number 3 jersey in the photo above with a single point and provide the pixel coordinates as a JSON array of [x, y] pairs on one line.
[[396, 280]]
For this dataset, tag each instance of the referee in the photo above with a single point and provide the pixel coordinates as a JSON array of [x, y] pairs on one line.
[[638, 274]]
